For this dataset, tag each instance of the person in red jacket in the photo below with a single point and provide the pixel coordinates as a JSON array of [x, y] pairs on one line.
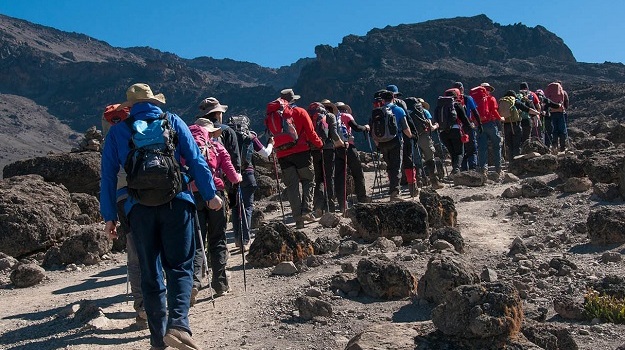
[[297, 165], [491, 132]]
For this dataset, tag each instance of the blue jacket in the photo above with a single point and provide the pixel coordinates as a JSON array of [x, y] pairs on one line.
[[116, 150]]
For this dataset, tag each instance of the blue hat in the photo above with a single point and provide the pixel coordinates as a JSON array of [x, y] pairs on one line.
[[393, 89]]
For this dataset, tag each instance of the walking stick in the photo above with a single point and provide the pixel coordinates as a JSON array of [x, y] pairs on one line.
[[275, 168], [345, 182], [326, 198], [242, 215], [198, 237], [375, 165]]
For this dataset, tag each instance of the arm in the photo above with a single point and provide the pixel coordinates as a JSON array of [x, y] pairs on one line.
[[525, 108], [307, 128], [225, 164], [398, 111], [108, 182], [331, 120], [231, 144], [462, 115], [355, 126], [263, 151]]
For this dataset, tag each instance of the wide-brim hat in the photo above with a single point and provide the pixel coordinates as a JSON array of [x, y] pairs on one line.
[[207, 124], [210, 105], [330, 106], [487, 86], [141, 92], [423, 103], [341, 106], [289, 95]]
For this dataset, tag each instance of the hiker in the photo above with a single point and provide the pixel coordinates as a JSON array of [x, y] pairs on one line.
[[491, 132], [112, 115], [409, 174], [353, 160], [469, 159], [295, 158], [161, 219], [529, 124], [388, 124], [546, 106], [212, 222], [211, 109], [448, 113], [510, 108], [556, 93], [417, 111], [324, 123], [249, 144]]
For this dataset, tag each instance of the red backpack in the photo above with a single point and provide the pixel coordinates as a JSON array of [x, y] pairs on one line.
[[554, 92], [480, 96], [114, 116], [280, 124]]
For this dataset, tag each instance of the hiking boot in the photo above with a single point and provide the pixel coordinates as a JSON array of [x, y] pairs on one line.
[[221, 292], [194, 293], [140, 323], [395, 197], [309, 217], [180, 340], [299, 224], [414, 190], [435, 184]]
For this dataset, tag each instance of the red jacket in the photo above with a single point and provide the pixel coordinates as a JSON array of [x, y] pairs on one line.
[[493, 107], [306, 135]]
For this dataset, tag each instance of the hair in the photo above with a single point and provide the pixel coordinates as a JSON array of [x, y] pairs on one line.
[[510, 93]]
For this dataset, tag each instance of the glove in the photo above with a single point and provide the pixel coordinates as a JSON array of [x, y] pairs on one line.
[[480, 129]]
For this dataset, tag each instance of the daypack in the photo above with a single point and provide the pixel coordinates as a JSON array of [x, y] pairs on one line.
[[526, 98], [555, 93], [113, 116], [508, 110], [383, 124], [480, 96], [241, 125], [202, 139], [342, 129], [318, 115], [280, 124], [416, 113], [446, 113], [152, 172]]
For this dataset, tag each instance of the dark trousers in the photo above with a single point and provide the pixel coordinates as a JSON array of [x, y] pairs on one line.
[[548, 130], [355, 168], [212, 226], [526, 127], [559, 129], [455, 147], [469, 158], [512, 135], [392, 154], [323, 162], [163, 236], [248, 187]]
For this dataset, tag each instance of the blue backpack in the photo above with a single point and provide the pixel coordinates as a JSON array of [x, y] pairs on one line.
[[152, 171]]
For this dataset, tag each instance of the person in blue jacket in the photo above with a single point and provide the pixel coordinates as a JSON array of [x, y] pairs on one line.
[[163, 234]]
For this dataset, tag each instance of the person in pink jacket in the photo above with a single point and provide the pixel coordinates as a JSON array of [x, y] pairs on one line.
[[212, 222]]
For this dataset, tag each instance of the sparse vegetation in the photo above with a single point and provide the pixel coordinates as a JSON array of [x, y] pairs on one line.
[[604, 307]]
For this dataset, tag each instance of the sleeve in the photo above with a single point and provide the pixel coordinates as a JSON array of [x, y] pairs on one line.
[[332, 127], [355, 126], [231, 144], [308, 130], [427, 114], [225, 164], [263, 151], [109, 168], [494, 108], [462, 115], [521, 106]]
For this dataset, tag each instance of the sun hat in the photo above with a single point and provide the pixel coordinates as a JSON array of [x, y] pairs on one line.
[[289, 95], [207, 124], [378, 95], [330, 106], [343, 107], [423, 103], [487, 86], [210, 105], [141, 92]]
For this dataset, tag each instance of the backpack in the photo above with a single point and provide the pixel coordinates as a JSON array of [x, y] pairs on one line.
[[318, 115], [508, 110], [280, 124], [241, 125], [113, 116], [526, 98], [555, 93], [152, 171], [383, 124], [416, 113], [341, 128], [446, 112], [202, 139], [480, 96]]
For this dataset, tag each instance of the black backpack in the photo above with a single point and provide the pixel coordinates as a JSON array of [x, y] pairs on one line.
[[152, 172], [446, 114], [241, 125], [416, 113], [383, 124]]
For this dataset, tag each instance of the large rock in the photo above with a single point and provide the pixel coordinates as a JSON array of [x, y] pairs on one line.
[[617, 134], [78, 172], [451, 235], [89, 208], [34, 214], [406, 219], [27, 275], [441, 209], [532, 188], [266, 187], [486, 310], [385, 279], [621, 180], [576, 184], [85, 245], [532, 145], [275, 242], [593, 143], [606, 226], [570, 167], [469, 178], [444, 273], [549, 336], [606, 192], [396, 336], [604, 166], [541, 165]]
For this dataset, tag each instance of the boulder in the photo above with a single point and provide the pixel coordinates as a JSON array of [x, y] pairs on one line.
[[384, 279], [406, 219], [604, 166], [621, 180], [611, 285], [346, 283], [549, 336], [383, 244], [265, 187], [570, 167], [34, 214], [451, 235], [540, 165], [258, 217], [78, 172], [486, 310], [606, 226], [532, 188], [88, 208], [310, 307], [444, 273], [469, 178], [275, 242], [441, 209], [396, 336], [85, 245], [576, 184], [534, 146], [325, 245], [27, 275], [329, 220], [593, 143], [606, 192], [617, 134], [568, 307], [512, 192]]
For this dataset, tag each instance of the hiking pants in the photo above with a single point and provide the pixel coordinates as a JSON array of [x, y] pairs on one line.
[[526, 126], [248, 187], [340, 176], [353, 162], [324, 182], [212, 225], [548, 130], [392, 155], [559, 129], [134, 270], [512, 135], [490, 133], [164, 239], [298, 168], [455, 147], [355, 167], [469, 159], [406, 158]]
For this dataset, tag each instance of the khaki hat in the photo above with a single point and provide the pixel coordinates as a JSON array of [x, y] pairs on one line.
[[289, 95], [141, 92], [487, 86], [207, 124], [210, 105], [330, 106], [423, 103], [343, 107]]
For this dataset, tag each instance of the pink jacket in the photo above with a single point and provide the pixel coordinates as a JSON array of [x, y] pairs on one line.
[[219, 163]]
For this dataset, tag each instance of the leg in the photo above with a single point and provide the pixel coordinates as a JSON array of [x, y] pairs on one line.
[[359, 178], [198, 260], [217, 247], [339, 177], [134, 270], [320, 190], [328, 176], [306, 177], [291, 181]]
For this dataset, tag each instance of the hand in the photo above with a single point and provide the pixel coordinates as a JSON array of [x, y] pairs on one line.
[[270, 141], [215, 203], [110, 228], [367, 127], [434, 126], [472, 125], [239, 178]]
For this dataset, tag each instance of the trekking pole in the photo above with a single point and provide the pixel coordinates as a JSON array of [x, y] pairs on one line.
[[441, 151], [326, 198], [345, 183], [242, 216], [375, 166], [127, 281], [198, 237], [420, 169], [275, 168]]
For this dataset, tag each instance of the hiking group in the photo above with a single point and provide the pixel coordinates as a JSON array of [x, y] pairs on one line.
[[171, 186]]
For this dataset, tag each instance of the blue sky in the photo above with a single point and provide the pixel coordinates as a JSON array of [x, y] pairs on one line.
[[276, 33]]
